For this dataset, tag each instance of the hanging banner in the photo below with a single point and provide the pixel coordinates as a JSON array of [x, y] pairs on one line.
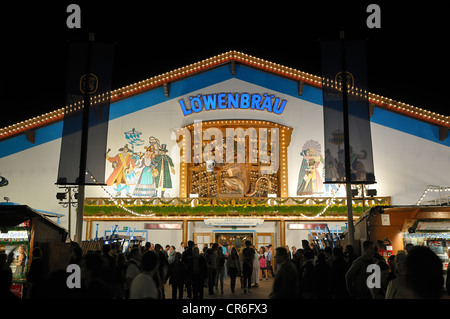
[[88, 79], [360, 140]]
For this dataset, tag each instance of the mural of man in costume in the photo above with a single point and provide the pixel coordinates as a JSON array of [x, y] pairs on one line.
[[309, 178], [123, 164], [164, 165]]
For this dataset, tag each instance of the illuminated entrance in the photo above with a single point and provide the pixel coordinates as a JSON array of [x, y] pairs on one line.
[[236, 239]]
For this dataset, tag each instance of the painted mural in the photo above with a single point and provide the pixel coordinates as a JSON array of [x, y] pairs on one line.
[[140, 169], [312, 172], [310, 175]]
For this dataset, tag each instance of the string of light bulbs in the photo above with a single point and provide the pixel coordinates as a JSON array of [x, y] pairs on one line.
[[179, 73], [432, 188], [330, 201], [115, 200]]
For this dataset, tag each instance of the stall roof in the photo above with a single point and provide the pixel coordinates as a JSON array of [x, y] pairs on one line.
[[12, 214]]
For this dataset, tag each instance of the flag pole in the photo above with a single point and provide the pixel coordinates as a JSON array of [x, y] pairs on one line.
[[84, 142], [348, 182]]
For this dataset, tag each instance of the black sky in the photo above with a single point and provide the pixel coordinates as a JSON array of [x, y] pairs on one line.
[[407, 57]]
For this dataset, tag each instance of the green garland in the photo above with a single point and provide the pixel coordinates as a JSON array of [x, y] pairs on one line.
[[218, 210], [224, 201]]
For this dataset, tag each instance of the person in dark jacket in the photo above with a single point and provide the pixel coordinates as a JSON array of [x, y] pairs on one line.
[[36, 275], [177, 275], [248, 254], [285, 285], [186, 255], [163, 268], [233, 267], [339, 268], [307, 289], [213, 264], [356, 276], [220, 269], [349, 255], [197, 273], [322, 271], [108, 265]]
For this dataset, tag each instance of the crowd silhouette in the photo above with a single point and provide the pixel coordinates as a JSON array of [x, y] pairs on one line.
[[143, 272]]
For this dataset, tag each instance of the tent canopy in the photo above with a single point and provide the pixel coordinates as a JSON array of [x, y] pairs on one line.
[[12, 214]]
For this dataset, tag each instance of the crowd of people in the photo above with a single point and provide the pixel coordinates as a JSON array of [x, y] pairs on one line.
[[143, 272], [337, 273]]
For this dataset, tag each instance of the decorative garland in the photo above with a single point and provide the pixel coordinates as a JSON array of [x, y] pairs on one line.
[[220, 210], [226, 201]]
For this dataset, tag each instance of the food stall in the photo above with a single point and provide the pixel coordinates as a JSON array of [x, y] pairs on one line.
[[434, 233], [402, 225], [21, 229]]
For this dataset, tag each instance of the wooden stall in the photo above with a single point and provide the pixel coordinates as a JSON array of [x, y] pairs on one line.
[[23, 228], [394, 223]]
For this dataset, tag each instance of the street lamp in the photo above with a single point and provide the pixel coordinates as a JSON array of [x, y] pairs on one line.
[[66, 200]]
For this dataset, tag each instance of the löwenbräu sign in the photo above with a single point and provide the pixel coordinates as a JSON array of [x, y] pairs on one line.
[[217, 101]]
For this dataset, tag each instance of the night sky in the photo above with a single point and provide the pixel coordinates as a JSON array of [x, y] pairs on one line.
[[407, 57]]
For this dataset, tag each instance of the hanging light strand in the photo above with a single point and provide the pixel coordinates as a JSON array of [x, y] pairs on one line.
[[115, 199], [432, 188]]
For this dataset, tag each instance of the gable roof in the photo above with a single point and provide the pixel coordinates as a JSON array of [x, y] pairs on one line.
[[228, 57], [12, 214]]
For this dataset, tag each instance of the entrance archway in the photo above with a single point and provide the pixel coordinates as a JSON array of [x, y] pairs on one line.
[[237, 239]]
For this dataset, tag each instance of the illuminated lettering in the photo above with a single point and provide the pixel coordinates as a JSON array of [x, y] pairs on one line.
[[183, 108], [209, 101], [233, 100], [220, 101], [245, 101]]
